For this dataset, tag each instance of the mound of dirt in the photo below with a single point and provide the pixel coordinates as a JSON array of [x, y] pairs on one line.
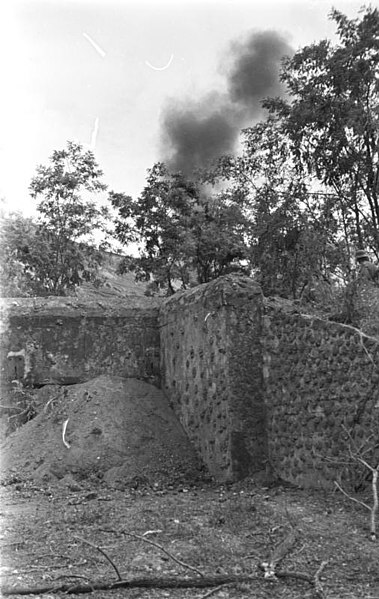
[[118, 430]]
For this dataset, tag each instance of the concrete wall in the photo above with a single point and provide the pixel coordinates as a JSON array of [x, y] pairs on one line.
[[211, 364], [59, 340]]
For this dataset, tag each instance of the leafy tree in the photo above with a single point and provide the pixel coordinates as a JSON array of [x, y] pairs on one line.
[[185, 235], [332, 119], [293, 230], [28, 267], [17, 235], [67, 220]]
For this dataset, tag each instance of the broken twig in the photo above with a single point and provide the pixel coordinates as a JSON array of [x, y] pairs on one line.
[[318, 586], [49, 402], [175, 559], [215, 590], [103, 553], [285, 547]]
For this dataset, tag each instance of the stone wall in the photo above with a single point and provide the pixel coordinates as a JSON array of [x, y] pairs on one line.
[[321, 380], [60, 340], [211, 364], [256, 384]]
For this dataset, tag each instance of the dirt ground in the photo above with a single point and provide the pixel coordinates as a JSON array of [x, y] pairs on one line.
[[52, 534], [72, 495], [110, 428]]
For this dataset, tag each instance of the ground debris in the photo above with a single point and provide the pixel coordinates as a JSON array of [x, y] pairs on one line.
[[226, 541]]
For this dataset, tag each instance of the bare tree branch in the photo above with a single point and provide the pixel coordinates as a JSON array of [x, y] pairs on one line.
[[178, 561], [351, 498], [375, 504], [103, 553]]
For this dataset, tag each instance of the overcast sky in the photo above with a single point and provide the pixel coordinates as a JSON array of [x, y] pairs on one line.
[[128, 78]]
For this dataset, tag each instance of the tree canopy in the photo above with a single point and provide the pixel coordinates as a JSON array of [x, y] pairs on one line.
[[186, 236], [290, 209], [331, 119], [68, 219], [309, 172]]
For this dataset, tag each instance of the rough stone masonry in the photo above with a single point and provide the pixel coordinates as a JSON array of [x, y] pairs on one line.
[[255, 384]]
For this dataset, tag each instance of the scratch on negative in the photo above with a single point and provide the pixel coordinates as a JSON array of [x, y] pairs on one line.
[[64, 432], [160, 68]]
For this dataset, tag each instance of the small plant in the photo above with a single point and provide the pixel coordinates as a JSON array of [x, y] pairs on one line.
[[20, 410], [366, 456]]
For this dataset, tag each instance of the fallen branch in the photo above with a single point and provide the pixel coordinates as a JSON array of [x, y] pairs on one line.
[[318, 586], [103, 553], [215, 590], [157, 583], [71, 576], [285, 547], [150, 583], [24, 411], [350, 497], [49, 402], [145, 540]]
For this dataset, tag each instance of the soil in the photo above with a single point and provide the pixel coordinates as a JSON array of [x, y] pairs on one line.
[[118, 430], [52, 535], [129, 468], [65, 511]]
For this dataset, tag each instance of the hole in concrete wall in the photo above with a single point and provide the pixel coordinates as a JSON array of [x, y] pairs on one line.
[[16, 367]]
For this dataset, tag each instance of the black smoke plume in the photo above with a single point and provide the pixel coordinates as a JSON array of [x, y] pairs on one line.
[[255, 69], [194, 134]]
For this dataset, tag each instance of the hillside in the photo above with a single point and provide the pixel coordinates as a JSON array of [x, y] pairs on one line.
[[114, 285]]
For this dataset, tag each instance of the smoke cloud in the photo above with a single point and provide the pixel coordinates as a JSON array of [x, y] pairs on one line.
[[193, 134]]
